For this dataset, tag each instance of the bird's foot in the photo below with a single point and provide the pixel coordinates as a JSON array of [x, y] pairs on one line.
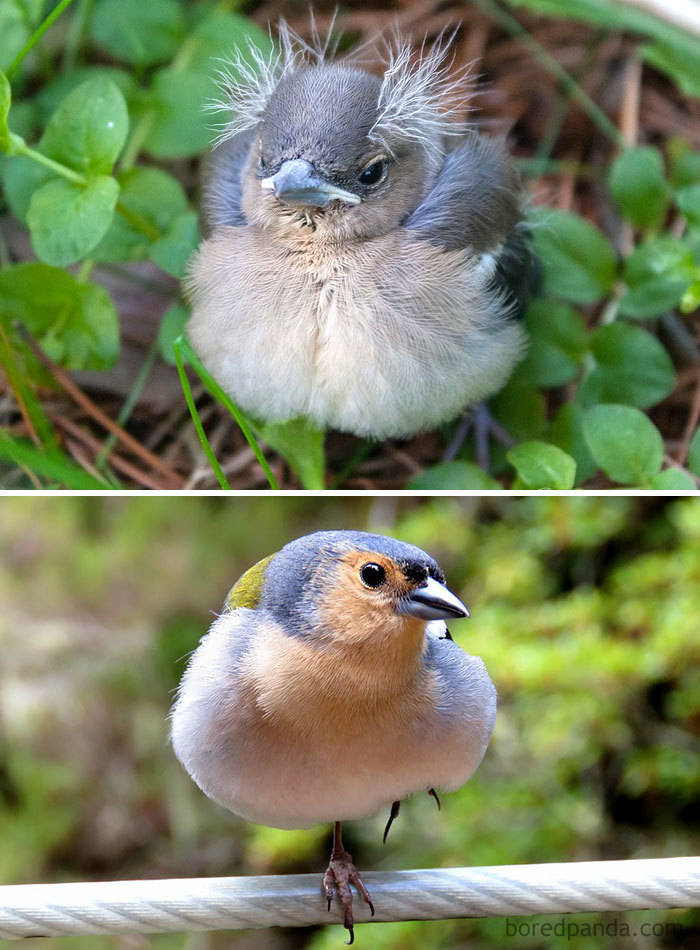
[[341, 873], [480, 420]]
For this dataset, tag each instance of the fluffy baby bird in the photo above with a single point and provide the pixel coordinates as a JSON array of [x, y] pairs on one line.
[[329, 688], [366, 260]]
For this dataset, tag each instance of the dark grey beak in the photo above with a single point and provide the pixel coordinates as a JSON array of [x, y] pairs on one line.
[[433, 601], [297, 183]]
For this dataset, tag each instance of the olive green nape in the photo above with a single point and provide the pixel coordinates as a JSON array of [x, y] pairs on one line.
[[248, 588]]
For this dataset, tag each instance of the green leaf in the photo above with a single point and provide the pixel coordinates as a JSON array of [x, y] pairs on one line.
[[153, 195], [558, 342], [542, 466], [578, 260], [566, 431], [301, 445], [673, 479], [53, 93], [221, 31], [17, 20], [51, 463], [694, 453], [682, 65], [624, 443], [688, 200], [143, 32], [631, 367], [181, 126], [656, 273], [21, 176], [454, 476], [172, 325], [520, 409], [177, 245], [67, 221], [638, 185], [685, 163], [75, 323], [5, 103], [89, 128]]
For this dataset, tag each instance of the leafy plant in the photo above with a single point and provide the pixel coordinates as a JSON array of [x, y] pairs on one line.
[[85, 152]]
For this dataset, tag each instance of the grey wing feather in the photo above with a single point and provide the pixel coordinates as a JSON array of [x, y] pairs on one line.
[[475, 203], [223, 169]]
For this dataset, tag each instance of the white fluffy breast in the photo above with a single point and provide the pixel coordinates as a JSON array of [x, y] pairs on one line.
[[381, 338]]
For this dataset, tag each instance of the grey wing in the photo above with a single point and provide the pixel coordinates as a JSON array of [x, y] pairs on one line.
[[475, 203], [465, 690], [222, 175]]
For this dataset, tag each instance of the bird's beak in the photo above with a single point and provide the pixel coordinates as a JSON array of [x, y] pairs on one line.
[[433, 601], [297, 183]]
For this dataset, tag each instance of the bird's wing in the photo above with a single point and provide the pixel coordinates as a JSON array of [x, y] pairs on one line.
[[223, 169], [474, 204]]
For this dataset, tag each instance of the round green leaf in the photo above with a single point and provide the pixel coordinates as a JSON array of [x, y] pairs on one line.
[[673, 479], [153, 195], [631, 367], [89, 128], [75, 323], [694, 453], [542, 466], [454, 476], [67, 221], [175, 248], [51, 95], [688, 200], [685, 164], [139, 31], [566, 431], [21, 176], [638, 185], [579, 262], [181, 126], [624, 443], [558, 341], [656, 274]]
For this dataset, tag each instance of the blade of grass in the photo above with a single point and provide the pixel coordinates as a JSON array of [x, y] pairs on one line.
[[184, 351], [201, 434], [36, 36], [569, 85], [50, 464], [38, 424]]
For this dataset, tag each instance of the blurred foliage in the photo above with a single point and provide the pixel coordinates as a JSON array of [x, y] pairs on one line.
[[586, 611]]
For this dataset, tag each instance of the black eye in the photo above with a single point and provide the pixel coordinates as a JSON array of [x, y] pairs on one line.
[[374, 173], [373, 575]]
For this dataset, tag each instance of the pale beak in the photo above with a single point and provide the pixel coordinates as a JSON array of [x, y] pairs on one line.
[[433, 601], [297, 183]]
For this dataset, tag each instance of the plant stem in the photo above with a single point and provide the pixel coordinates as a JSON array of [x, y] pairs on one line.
[[201, 434], [36, 36], [569, 85]]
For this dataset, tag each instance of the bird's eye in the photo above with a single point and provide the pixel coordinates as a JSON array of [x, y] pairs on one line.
[[374, 173], [372, 575]]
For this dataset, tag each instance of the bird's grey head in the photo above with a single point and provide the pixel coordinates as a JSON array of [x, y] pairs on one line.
[[334, 149]]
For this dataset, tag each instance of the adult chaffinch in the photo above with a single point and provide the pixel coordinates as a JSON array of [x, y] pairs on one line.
[[366, 258], [329, 687]]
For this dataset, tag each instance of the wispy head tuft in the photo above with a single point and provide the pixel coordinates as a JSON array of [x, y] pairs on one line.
[[420, 98], [247, 78]]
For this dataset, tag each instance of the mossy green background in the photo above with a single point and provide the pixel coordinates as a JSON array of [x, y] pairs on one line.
[[586, 611]]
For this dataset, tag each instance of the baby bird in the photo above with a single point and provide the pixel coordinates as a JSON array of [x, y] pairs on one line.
[[366, 259], [329, 688]]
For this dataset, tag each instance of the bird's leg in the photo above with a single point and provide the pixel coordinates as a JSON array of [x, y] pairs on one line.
[[395, 806], [484, 425], [431, 791], [341, 873]]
